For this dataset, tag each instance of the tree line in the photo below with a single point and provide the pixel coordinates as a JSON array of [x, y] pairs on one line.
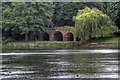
[[24, 20]]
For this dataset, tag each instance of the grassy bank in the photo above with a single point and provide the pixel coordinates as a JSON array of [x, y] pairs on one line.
[[106, 40], [41, 45], [33, 45]]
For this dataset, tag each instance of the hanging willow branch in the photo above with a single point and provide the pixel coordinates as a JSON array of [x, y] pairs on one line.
[[91, 23]]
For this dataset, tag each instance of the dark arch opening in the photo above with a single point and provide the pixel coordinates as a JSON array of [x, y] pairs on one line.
[[69, 37], [45, 36], [58, 36]]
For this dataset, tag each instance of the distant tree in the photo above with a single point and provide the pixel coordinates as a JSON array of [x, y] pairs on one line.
[[63, 12], [113, 10], [26, 18], [91, 23]]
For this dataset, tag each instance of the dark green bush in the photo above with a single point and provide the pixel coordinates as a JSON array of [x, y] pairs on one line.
[[6, 40]]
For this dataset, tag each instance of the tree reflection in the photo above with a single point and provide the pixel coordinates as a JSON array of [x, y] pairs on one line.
[[37, 63], [85, 64], [49, 65]]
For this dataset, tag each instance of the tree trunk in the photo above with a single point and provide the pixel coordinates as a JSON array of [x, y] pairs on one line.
[[26, 37], [31, 37], [36, 36]]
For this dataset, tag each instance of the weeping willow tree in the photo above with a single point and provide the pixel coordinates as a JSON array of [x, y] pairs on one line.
[[92, 23]]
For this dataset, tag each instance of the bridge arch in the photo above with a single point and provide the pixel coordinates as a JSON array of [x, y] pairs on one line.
[[45, 36], [58, 36], [69, 36]]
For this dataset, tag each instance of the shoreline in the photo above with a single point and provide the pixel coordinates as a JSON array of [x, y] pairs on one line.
[[57, 46], [77, 51]]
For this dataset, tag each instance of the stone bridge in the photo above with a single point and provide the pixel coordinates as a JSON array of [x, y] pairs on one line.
[[59, 34]]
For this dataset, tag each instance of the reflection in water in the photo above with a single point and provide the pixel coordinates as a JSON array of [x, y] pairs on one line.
[[60, 64]]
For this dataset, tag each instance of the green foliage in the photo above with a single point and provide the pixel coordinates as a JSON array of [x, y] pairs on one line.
[[92, 23], [72, 28], [64, 11], [26, 18], [113, 10], [7, 40]]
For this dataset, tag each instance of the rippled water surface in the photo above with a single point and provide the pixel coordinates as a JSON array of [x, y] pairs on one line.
[[59, 64]]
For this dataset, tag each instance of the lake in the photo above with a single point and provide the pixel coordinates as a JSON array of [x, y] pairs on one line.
[[60, 64]]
